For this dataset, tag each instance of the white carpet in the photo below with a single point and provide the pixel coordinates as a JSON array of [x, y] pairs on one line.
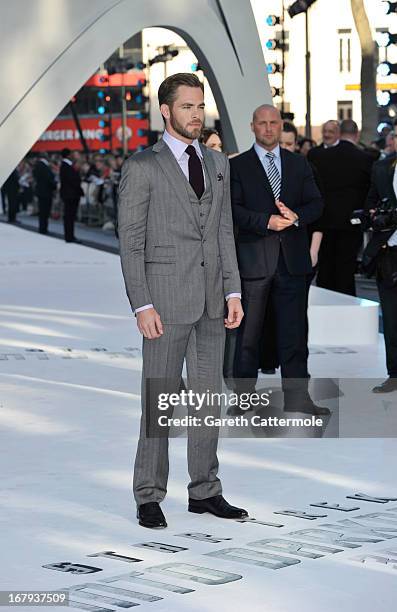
[[69, 414]]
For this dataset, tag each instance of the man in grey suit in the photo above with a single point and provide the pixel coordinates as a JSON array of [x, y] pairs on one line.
[[179, 265]]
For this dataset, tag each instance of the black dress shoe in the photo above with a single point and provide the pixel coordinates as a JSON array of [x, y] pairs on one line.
[[218, 506], [150, 515], [268, 371], [389, 385], [309, 409]]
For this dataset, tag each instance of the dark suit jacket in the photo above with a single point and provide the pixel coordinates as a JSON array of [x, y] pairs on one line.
[[70, 182], [345, 172], [253, 204], [381, 187], [11, 186], [45, 180]]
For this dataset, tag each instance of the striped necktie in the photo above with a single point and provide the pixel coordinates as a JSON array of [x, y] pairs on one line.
[[273, 175]]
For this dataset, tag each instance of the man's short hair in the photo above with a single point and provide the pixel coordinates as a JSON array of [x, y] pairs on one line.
[[348, 126], [65, 152], [289, 127], [168, 89]]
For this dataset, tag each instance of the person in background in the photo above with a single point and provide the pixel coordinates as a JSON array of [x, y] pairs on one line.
[[330, 133], [45, 186], [25, 184], [274, 197], [10, 192], [390, 145], [345, 172], [381, 255], [70, 192], [305, 145], [270, 361], [211, 139]]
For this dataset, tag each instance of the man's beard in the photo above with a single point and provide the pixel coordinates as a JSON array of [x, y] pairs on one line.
[[179, 129], [268, 142]]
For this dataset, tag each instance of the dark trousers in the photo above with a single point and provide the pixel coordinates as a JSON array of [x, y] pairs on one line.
[[269, 357], [338, 260], [12, 206], [288, 295], [45, 204], [309, 280], [388, 302], [69, 217]]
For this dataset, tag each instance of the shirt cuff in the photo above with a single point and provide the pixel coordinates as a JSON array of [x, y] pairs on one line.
[[231, 295], [144, 308]]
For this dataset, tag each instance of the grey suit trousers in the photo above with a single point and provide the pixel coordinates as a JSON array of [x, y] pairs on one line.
[[163, 358]]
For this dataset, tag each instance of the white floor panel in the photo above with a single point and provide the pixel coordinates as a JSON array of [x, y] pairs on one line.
[[69, 417]]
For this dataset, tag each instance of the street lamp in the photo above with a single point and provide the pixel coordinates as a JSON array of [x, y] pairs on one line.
[[297, 7]]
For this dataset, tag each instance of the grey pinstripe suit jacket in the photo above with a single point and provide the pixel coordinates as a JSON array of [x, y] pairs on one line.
[[161, 244]]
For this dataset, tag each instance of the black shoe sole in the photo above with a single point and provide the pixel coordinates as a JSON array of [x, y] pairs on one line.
[[153, 526], [202, 511]]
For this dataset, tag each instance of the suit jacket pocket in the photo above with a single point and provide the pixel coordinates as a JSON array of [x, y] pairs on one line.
[[157, 268], [161, 254]]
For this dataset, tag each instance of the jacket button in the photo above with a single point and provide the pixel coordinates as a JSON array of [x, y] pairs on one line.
[[202, 264]]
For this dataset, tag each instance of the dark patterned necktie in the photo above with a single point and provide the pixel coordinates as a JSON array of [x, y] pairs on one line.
[[196, 176], [273, 175]]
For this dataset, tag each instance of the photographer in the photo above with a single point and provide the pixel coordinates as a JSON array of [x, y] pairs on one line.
[[380, 256]]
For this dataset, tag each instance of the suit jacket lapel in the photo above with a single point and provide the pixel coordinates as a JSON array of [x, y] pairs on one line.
[[285, 174], [211, 171], [175, 177]]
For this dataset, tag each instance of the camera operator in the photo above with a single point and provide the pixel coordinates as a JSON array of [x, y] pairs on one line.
[[380, 256]]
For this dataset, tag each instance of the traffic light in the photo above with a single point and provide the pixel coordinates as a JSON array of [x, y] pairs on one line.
[[272, 44], [384, 39], [386, 68], [276, 91], [272, 20], [103, 101], [277, 46], [105, 125], [386, 97], [389, 7], [273, 68]]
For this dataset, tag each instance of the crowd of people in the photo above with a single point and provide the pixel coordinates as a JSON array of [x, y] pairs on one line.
[[35, 188]]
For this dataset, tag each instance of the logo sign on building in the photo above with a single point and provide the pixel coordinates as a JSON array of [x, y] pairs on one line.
[[63, 133]]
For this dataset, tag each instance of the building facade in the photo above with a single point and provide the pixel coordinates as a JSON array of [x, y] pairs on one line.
[[335, 60]]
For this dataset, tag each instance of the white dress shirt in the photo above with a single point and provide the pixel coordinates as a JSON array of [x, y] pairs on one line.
[[178, 149], [326, 146], [261, 153]]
